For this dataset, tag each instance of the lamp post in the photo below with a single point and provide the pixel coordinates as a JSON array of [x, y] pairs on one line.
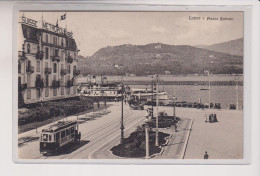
[[157, 112], [147, 152], [152, 98], [209, 90], [147, 120], [237, 79], [122, 115]]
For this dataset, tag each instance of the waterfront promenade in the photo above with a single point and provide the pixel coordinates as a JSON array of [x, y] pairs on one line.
[[100, 132]]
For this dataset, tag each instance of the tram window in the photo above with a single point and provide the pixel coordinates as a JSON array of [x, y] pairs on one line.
[[57, 136], [45, 137], [63, 134], [50, 137], [67, 132]]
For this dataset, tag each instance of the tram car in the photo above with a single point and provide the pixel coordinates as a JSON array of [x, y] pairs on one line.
[[59, 135]]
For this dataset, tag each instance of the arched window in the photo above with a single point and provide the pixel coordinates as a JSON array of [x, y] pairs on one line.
[[28, 48], [62, 42]]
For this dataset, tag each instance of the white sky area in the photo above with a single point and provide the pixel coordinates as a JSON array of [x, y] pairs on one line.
[[95, 30]]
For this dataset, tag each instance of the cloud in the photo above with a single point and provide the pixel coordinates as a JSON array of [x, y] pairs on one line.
[[158, 29]]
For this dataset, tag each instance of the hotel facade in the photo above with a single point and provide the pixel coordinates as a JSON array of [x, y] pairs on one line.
[[47, 63]]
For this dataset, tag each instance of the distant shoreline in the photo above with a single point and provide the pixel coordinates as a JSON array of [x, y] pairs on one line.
[[223, 80]]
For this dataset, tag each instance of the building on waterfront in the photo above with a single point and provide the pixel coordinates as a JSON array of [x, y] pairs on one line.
[[47, 62]]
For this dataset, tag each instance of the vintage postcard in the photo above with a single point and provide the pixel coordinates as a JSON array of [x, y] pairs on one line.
[[130, 85]]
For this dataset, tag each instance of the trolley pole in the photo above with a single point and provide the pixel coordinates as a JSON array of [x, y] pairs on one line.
[[157, 114], [122, 118]]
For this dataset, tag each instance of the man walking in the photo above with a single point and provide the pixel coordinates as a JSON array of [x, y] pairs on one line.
[[206, 156]]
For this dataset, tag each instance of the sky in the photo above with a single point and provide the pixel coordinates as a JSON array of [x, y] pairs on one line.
[[95, 30]]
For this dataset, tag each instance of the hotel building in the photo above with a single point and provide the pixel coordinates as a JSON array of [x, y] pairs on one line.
[[47, 63]]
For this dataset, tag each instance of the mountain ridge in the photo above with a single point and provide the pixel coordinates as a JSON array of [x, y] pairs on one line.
[[160, 58]]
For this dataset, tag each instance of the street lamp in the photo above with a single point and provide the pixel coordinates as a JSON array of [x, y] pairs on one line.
[[147, 120], [122, 116], [209, 91], [237, 80], [157, 112]]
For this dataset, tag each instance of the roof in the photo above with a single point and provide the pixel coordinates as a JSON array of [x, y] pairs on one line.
[[59, 126]]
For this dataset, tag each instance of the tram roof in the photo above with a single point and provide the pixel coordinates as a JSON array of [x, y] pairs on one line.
[[59, 126]]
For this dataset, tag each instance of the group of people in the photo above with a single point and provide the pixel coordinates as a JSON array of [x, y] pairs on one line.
[[211, 118]]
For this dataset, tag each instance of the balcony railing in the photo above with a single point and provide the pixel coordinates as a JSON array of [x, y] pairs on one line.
[[47, 70], [39, 55], [69, 59], [22, 86], [55, 84], [76, 72], [63, 71], [69, 83], [55, 58], [30, 69], [39, 83]]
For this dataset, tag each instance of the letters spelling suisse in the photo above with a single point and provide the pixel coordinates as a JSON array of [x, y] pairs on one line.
[[29, 21]]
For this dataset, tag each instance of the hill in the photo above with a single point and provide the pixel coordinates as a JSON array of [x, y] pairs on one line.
[[233, 47], [158, 58]]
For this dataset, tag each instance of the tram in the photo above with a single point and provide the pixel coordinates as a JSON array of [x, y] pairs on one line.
[[59, 135]]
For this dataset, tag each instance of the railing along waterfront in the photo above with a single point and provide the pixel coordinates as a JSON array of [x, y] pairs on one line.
[[195, 83]]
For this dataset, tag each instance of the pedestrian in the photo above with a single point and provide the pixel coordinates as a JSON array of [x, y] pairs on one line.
[[206, 117], [175, 126], [206, 156], [210, 118], [125, 101], [215, 118], [79, 137]]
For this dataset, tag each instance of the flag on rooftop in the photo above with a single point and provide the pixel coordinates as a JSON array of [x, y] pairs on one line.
[[63, 17]]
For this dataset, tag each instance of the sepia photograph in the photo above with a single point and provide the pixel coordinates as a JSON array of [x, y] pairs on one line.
[[130, 85]]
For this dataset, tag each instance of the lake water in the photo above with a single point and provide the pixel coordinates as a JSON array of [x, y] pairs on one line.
[[225, 95]]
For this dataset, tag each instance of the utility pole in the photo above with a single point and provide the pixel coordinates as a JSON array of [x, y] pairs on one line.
[[157, 113]]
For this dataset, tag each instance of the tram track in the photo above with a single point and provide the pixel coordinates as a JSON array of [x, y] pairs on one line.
[[105, 133]]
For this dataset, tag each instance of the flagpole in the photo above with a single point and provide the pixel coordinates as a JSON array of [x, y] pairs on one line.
[[66, 20]]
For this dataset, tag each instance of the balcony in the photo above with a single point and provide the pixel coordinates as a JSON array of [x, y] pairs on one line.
[[22, 87], [39, 55], [47, 70], [55, 58], [76, 72], [69, 59], [30, 69], [63, 71], [39, 83], [55, 84], [69, 83]]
